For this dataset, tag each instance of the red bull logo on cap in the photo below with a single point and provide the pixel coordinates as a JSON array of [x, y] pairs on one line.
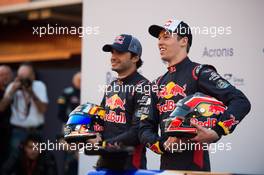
[[171, 24], [119, 39], [168, 23], [115, 102], [172, 89]]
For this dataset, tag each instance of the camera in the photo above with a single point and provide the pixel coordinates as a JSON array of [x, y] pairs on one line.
[[26, 82]]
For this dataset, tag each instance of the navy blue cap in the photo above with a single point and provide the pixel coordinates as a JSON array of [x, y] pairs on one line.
[[174, 26], [125, 43]]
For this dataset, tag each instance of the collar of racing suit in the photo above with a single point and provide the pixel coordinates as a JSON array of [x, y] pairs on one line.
[[179, 65], [127, 79]]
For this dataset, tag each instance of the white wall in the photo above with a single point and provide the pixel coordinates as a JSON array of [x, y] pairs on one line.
[[245, 63]]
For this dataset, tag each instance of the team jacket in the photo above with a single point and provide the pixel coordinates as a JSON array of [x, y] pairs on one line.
[[67, 102], [181, 80], [125, 103]]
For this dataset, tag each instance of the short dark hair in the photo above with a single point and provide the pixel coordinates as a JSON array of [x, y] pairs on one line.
[[139, 62], [188, 45]]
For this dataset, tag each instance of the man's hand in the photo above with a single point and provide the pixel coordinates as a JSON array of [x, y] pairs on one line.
[[41, 106], [95, 140], [115, 145], [204, 135], [8, 97], [15, 86], [168, 144]]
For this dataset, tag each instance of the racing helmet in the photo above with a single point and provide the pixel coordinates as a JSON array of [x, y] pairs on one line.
[[198, 108], [84, 122]]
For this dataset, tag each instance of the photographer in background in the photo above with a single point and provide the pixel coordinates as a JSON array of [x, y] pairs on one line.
[[29, 100]]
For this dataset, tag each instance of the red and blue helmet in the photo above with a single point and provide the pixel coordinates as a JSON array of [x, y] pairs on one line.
[[198, 108], [84, 122]]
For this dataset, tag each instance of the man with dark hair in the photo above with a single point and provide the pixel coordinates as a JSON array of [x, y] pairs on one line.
[[184, 78], [29, 160], [124, 105]]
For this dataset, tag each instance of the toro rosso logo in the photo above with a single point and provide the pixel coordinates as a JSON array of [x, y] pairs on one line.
[[119, 39], [115, 102], [171, 90]]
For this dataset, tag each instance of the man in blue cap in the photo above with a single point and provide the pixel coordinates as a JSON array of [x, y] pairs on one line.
[[182, 79], [125, 102]]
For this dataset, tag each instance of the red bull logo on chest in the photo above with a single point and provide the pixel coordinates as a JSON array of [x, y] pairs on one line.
[[115, 102], [172, 89]]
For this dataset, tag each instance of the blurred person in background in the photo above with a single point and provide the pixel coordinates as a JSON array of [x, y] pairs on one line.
[[29, 100], [70, 98], [29, 160], [67, 102], [6, 76]]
